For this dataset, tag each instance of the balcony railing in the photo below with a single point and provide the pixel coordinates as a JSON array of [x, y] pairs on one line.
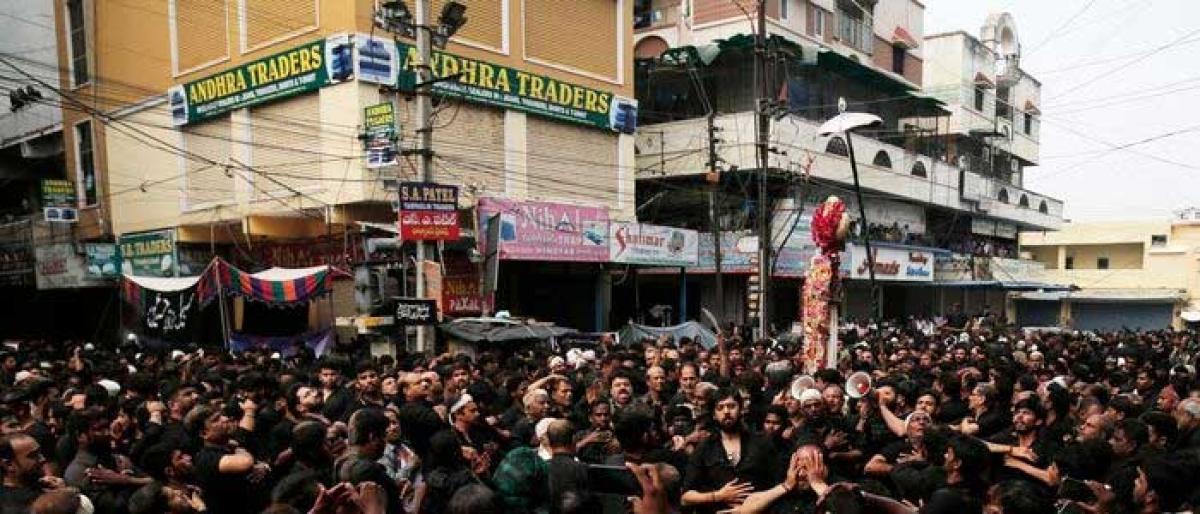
[[855, 33], [656, 16]]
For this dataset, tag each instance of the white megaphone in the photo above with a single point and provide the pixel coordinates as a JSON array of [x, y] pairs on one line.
[[858, 385], [800, 384]]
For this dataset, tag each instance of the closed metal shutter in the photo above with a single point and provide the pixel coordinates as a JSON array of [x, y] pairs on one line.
[[1115, 316], [1032, 313]]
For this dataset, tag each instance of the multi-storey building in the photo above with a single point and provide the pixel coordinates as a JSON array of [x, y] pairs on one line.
[[41, 268], [237, 128], [942, 176], [1127, 274]]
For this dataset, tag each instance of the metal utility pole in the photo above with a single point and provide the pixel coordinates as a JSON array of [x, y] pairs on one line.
[[424, 91], [763, 128], [866, 232], [714, 179]]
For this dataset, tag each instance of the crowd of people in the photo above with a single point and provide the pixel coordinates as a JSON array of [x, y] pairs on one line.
[[959, 418]]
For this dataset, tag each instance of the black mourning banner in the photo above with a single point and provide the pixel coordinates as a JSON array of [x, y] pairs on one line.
[[415, 311]]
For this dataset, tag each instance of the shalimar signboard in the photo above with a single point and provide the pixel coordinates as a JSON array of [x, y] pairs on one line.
[[509, 88], [298, 70]]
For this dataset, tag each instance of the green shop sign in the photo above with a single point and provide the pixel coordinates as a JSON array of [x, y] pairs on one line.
[[58, 193], [507, 88], [299, 70], [149, 254]]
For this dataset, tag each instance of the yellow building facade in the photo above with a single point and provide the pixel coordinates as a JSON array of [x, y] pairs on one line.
[[1124, 273], [239, 123]]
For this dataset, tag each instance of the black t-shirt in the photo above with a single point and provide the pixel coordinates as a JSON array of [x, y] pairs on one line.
[[224, 492], [16, 500], [356, 469], [710, 468], [952, 500], [420, 422]]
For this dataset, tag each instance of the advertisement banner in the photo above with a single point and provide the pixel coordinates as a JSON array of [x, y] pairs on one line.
[[543, 231], [295, 71], [379, 123], [1017, 270], [58, 193], [103, 260], [740, 249], [636, 243], [428, 212], [460, 287], [893, 264], [958, 267], [508, 88], [149, 254], [59, 267]]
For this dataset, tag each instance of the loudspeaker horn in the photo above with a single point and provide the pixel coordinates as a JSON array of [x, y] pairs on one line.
[[801, 383], [858, 385]]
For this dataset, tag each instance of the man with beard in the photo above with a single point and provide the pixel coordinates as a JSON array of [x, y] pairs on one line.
[[228, 475], [725, 468], [21, 461], [301, 403], [1025, 443], [621, 390], [367, 390], [93, 451], [168, 465], [334, 398], [166, 420], [597, 442]]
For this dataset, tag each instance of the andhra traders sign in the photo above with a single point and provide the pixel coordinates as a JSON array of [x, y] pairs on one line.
[[508, 88], [298, 70], [636, 243], [149, 254]]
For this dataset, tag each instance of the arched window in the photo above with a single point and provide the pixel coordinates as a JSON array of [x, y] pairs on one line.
[[918, 170], [882, 160], [837, 146], [1003, 196], [1023, 202], [1043, 208]]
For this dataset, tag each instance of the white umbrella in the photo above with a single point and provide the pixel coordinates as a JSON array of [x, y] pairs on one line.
[[848, 121]]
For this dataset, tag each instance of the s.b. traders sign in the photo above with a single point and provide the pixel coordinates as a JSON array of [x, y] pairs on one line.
[[299, 70], [509, 88]]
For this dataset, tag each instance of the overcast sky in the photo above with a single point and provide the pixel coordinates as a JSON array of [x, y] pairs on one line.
[[1113, 73]]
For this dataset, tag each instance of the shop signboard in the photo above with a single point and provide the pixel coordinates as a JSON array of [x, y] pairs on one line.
[[893, 263], [739, 252], [959, 267], [58, 193], [379, 124], [428, 212], [60, 267], [149, 254], [639, 243], [1017, 270], [375, 61], [508, 88], [544, 231], [103, 260], [291, 72], [460, 287]]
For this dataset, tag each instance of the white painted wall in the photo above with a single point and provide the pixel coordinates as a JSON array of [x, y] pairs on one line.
[[29, 34]]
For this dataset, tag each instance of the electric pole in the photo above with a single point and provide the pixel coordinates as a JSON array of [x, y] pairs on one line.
[[424, 91], [763, 128], [714, 179]]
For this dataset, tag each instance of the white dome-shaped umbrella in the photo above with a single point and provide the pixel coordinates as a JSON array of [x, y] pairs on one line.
[[848, 121]]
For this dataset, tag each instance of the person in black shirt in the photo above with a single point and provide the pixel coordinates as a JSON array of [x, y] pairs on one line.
[[227, 475], [21, 460], [728, 466], [417, 417], [368, 438]]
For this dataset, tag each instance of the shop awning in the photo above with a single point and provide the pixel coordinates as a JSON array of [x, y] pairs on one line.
[[1109, 295], [870, 77]]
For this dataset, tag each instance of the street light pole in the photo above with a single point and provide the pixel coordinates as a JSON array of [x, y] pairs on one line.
[[424, 134], [763, 127]]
